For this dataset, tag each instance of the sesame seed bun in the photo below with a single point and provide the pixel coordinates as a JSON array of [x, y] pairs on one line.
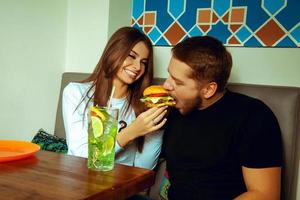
[[154, 89]]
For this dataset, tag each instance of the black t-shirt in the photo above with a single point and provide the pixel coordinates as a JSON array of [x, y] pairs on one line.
[[206, 149]]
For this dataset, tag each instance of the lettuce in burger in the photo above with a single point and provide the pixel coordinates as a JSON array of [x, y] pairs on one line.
[[155, 96]]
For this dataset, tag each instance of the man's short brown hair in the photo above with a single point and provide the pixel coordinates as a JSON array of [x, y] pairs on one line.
[[207, 57]]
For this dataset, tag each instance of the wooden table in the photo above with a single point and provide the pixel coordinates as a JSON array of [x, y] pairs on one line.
[[49, 175]]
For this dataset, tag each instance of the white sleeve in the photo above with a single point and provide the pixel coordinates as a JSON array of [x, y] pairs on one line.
[[151, 150], [118, 148], [73, 116]]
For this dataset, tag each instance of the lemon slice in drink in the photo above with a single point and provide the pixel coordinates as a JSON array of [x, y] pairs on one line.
[[98, 112], [108, 145], [97, 126]]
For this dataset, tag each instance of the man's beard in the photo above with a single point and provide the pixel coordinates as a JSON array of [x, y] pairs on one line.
[[189, 106]]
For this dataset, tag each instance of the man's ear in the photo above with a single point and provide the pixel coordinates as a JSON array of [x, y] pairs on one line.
[[209, 90]]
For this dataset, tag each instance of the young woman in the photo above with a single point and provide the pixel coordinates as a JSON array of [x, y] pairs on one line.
[[127, 64]]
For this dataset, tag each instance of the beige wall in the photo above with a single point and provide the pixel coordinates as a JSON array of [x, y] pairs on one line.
[[87, 31], [32, 58], [39, 41], [119, 15]]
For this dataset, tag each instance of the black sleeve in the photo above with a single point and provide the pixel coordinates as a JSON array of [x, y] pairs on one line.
[[261, 144]]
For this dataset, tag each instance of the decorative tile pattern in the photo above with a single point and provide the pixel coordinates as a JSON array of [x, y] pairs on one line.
[[260, 23]]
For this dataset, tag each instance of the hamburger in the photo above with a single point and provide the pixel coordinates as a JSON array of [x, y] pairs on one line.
[[155, 96]]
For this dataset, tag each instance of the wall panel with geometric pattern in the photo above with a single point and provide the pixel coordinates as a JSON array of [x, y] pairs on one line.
[[252, 23]]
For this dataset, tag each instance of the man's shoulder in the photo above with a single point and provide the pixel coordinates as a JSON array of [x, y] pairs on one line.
[[245, 102], [245, 99]]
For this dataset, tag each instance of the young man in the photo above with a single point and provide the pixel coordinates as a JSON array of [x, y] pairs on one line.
[[218, 144]]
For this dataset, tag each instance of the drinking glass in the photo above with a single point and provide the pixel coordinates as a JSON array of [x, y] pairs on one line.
[[102, 131]]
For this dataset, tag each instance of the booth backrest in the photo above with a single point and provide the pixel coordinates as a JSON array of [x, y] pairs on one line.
[[283, 101]]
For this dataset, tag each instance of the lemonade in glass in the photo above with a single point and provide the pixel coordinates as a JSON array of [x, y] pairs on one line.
[[102, 131]]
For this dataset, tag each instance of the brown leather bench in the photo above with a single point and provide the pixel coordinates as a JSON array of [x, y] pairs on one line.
[[284, 102]]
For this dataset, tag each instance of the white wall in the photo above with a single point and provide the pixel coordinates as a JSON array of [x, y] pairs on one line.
[[86, 33], [32, 58], [119, 15], [268, 66], [40, 40]]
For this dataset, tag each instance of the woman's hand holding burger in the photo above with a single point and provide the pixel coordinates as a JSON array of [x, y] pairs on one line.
[[147, 122], [157, 100]]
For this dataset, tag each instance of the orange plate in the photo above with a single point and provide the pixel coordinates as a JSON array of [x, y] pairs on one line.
[[15, 150]]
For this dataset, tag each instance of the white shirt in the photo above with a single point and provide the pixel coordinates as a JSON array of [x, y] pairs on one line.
[[76, 126]]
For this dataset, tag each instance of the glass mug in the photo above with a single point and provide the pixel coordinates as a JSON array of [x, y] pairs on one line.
[[102, 131]]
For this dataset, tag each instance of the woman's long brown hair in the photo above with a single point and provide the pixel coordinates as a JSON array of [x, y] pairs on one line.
[[116, 51]]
